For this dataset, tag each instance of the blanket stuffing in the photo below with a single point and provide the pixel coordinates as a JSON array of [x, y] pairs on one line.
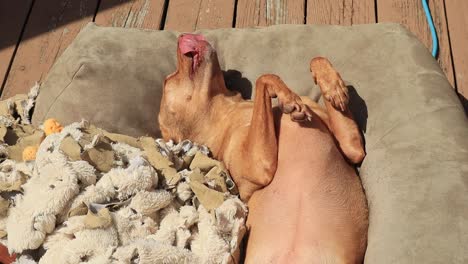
[[81, 194]]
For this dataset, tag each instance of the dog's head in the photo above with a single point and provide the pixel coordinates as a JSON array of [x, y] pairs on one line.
[[188, 91]]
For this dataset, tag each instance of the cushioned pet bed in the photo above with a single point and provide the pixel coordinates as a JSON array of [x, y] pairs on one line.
[[416, 172]]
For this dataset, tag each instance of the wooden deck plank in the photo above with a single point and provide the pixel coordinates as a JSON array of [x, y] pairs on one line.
[[268, 12], [216, 14], [37, 53], [411, 14], [132, 14], [182, 15], [458, 29], [339, 12], [12, 19], [190, 15]]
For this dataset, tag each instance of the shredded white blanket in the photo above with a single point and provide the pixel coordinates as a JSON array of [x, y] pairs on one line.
[[89, 197]]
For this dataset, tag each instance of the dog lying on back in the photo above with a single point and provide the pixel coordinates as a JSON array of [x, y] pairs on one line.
[[291, 163]]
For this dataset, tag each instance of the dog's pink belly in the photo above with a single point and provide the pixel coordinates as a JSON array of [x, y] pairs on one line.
[[314, 210]]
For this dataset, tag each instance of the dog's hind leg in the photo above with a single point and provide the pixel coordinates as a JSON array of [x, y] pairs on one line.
[[341, 121]]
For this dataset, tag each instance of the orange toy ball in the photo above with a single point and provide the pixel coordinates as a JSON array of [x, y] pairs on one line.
[[29, 153], [52, 126]]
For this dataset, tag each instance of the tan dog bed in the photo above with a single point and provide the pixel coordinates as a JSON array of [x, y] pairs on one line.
[[415, 174]]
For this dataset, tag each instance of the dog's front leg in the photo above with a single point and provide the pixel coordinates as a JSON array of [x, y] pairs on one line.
[[261, 157], [341, 120]]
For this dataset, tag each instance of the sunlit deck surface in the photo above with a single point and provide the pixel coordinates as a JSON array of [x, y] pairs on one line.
[[34, 33]]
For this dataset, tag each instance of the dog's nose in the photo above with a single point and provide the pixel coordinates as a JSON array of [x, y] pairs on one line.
[[191, 42]]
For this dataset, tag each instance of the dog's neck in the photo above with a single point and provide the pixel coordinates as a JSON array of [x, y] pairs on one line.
[[214, 128]]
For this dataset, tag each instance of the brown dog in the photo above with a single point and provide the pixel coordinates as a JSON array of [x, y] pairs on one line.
[[313, 209]]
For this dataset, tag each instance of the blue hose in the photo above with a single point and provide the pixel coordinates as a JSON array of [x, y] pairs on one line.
[[435, 44]]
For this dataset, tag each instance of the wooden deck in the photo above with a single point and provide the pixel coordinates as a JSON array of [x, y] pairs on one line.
[[34, 33]]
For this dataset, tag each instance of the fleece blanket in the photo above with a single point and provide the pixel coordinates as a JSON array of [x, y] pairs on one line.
[[81, 194]]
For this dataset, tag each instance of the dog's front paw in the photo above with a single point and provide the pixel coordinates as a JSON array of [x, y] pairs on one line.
[[294, 106], [335, 91], [329, 80]]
